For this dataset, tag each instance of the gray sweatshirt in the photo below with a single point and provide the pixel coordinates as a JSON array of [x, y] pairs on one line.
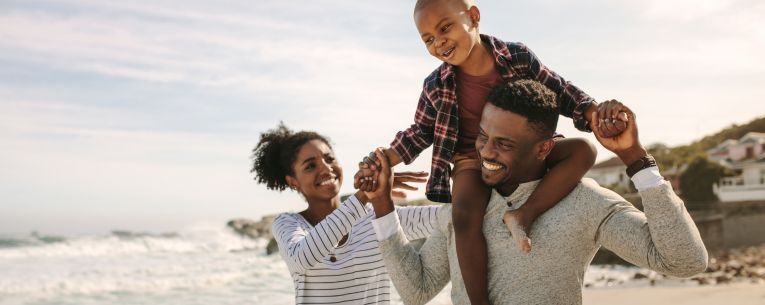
[[565, 239]]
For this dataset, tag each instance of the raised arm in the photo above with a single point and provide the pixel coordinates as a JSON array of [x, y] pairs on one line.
[[417, 276], [302, 249], [665, 238], [408, 144]]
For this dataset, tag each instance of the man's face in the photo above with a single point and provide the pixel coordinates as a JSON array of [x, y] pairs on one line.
[[447, 30], [509, 150]]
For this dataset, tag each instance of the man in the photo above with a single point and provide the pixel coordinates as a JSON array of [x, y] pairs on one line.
[[517, 126]]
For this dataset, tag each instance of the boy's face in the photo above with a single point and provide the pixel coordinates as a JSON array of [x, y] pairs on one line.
[[449, 30]]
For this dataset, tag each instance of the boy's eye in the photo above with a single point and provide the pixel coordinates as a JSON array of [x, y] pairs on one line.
[[445, 28], [429, 40]]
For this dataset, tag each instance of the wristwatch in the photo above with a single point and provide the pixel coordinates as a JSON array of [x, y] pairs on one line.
[[642, 163]]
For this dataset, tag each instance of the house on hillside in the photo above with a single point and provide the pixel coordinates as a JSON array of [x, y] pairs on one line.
[[750, 146], [611, 172], [746, 156]]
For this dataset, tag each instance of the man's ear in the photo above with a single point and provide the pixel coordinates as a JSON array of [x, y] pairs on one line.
[[291, 181], [545, 147], [475, 15]]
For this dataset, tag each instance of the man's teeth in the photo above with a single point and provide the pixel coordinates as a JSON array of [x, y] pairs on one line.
[[491, 166]]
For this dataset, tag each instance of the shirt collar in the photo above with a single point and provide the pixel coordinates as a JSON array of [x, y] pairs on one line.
[[519, 196]]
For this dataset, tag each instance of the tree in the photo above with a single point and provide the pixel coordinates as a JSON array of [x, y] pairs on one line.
[[697, 180]]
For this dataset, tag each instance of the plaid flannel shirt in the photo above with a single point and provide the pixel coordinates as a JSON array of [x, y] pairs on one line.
[[436, 120]]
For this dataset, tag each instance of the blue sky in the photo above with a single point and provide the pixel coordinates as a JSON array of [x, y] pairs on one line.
[[141, 115]]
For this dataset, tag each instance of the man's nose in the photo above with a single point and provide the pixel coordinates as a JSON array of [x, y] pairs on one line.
[[486, 151]]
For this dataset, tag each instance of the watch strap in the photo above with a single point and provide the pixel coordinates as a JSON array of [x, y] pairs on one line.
[[641, 164]]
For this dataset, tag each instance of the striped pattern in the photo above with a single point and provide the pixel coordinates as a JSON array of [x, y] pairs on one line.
[[358, 276], [436, 121]]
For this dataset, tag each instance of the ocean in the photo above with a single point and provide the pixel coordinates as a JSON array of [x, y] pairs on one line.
[[204, 264]]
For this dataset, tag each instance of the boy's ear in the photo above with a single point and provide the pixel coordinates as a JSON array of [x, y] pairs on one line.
[[475, 15], [545, 148]]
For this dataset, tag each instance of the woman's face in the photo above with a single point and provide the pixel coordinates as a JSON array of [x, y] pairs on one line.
[[318, 175]]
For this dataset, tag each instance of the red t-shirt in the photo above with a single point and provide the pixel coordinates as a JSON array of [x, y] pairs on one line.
[[471, 97]]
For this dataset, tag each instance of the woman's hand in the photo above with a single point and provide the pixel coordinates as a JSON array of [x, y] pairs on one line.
[[400, 182]]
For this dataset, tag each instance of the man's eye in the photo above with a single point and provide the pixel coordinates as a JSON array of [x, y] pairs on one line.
[[310, 166], [505, 146]]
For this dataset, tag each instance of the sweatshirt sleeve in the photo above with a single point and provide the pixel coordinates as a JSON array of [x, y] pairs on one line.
[[664, 238], [417, 276], [301, 249]]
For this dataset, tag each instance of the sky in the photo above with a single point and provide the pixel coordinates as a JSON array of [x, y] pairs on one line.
[[141, 115]]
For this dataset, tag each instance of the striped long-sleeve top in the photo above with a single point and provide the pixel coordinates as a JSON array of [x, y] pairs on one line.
[[357, 275]]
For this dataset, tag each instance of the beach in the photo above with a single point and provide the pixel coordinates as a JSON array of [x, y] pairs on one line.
[[738, 293], [210, 264]]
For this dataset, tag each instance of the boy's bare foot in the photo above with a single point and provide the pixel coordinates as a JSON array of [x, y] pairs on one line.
[[518, 226]]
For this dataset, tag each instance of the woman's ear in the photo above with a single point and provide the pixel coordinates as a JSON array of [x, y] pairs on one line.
[[291, 182]]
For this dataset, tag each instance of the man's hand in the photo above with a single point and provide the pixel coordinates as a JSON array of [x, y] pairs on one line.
[[381, 196], [625, 145], [371, 163], [610, 117]]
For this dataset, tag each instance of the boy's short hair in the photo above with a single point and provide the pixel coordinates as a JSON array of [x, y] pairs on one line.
[[420, 4], [531, 100]]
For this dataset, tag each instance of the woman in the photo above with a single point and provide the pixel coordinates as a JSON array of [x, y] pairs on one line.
[[330, 248]]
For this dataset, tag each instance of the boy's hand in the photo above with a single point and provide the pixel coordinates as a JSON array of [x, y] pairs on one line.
[[611, 118], [625, 145]]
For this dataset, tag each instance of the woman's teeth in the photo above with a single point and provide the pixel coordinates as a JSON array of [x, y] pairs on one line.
[[327, 182]]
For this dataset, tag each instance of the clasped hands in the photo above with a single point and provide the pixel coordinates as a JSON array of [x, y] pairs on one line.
[[378, 180]]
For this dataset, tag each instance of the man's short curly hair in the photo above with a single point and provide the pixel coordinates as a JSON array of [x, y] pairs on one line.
[[529, 99], [273, 156]]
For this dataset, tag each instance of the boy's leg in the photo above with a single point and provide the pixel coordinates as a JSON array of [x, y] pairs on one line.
[[469, 200]]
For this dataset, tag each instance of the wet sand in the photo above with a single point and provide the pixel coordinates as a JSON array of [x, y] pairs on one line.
[[737, 293]]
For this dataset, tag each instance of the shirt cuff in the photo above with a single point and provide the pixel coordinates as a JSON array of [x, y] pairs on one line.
[[647, 178], [386, 226]]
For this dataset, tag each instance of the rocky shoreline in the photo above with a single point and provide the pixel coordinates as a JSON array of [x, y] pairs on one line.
[[744, 265]]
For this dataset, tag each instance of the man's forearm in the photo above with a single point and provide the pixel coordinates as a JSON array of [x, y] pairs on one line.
[[383, 205]]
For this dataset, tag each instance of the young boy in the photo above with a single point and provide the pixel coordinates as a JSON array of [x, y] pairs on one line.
[[448, 117]]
